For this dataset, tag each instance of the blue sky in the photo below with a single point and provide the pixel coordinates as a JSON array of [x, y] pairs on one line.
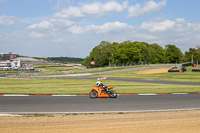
[[47, 28]]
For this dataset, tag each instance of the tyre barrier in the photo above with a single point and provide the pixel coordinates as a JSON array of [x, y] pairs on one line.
[[183, 69], [172, 70], [195, 70]]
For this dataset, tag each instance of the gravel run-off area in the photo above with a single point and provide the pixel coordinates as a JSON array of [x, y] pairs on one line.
[[148, 122]]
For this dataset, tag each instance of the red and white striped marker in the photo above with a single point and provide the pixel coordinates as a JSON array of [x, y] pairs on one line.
[[102, 78]]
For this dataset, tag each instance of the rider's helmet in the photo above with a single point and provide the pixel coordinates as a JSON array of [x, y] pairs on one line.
[[98, 83]]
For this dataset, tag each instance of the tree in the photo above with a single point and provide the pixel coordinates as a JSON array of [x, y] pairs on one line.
[[173, 54], [133, 52], [87, 61], [127, 52], [144, 51], [110, 52], [159, 53], [103, 54], [193, 53]]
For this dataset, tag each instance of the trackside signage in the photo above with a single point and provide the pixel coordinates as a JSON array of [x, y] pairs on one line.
[[92, 63]]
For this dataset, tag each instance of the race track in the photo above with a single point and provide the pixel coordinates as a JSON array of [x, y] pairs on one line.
[[83, 104]]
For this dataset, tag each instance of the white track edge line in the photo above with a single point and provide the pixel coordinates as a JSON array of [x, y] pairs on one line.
[[8, 95]]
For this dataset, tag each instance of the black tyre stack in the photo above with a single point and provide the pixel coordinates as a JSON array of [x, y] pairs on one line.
[[196, 70], [174, 69]]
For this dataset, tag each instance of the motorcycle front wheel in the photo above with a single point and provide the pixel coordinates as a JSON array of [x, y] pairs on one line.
[[93, 94], [113, 94]]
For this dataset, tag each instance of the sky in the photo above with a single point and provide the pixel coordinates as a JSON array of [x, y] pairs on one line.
[[72, 28]]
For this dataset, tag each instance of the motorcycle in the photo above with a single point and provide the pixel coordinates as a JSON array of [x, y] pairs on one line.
[[97, 92]]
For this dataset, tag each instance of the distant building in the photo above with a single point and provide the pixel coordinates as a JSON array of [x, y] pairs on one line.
[[8, 56], [5, 64], [10, 61]]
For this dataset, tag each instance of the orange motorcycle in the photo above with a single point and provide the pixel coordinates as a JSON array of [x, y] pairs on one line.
[[100, 92]]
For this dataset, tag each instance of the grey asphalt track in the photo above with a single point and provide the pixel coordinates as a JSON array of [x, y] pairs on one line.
[[83, 104]]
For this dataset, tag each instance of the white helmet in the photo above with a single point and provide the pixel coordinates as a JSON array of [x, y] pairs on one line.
[[98, 83]]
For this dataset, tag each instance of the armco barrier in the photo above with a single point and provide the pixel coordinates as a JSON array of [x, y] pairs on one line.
[[187, 64]]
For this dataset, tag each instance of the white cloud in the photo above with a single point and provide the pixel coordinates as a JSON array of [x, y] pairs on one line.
[[98, 9], [70, 26], [179, 32], [38, 35], [145, 36], [88, 10], [91, 9], [69, 18], [7, 20], [182, 26], [157, 26], [180, 20], [43, 25], [148, 7], [195, 26], [61, 22], [114, 6], [75, 29], [114, 27], [70, 13]]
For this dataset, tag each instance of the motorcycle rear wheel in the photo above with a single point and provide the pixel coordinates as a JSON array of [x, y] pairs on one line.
[[93, 94], [113, 94]]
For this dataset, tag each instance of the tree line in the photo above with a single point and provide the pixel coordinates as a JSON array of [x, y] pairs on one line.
[[108, 54], [65, 59]]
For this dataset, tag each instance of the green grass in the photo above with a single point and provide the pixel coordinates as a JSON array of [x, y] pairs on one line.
[[38, 65], [181, 77], [104, 69], [72, 86], [58, 68], [73, 70], [44, 86], [46, 73], [134, 75], [8, 72], [186, 77], [39, 115], [120, 113]]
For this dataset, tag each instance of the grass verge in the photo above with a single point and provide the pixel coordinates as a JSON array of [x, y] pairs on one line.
[[134, 75], [182, 77], [186, 77], [72, 86]]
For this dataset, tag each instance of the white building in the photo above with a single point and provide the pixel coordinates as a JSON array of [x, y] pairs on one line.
[[16, 63]]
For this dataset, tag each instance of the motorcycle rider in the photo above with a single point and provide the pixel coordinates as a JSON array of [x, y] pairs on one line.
[[98, 84]]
